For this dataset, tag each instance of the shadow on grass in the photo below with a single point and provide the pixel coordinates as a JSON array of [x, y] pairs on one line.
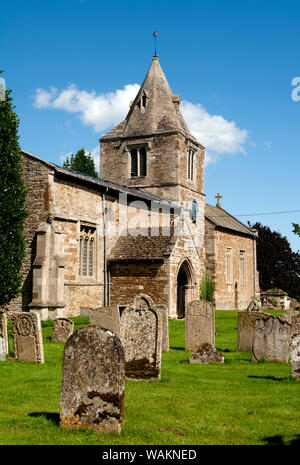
[[272, 378], [53, 417], [177, 348], [278, 441]]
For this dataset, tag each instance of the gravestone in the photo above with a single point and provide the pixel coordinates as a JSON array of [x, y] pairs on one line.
[[141, 336], [3, 336], [199, 324], [246, 328], [295, 346], [271, 339], [27, 337], [206, 353], [62, 329], [163, 314], [253, 306], [107, 317], [93, 379]]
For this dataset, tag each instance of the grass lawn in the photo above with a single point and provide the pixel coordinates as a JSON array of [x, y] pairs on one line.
[[238, 402]]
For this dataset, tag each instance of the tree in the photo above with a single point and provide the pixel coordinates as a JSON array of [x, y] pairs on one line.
[[12, 203], [296, 229], [82, 162], [277, 264]]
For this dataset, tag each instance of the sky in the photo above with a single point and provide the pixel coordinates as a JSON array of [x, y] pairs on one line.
[[75, 65]]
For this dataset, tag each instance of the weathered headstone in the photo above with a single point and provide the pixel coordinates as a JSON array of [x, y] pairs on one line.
[[295, 346], [27, 337], [253, 306], [93, 379], [107, 317], [199, 324], [163, 314], [141, 336], [271, 339], [3, 336], [62, 329], [246, 328], [206, 353]]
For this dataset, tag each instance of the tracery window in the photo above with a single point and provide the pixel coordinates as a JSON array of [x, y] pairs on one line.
[[87, 251]]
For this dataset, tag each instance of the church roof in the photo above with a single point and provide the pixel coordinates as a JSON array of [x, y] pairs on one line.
[[142, 247], [222, 219], [155, 110], [102, 184]]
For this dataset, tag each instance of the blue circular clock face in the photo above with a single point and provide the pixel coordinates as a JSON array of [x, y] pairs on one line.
[[194, 211]]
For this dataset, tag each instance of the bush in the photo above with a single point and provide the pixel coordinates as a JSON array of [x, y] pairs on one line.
[[206, 288]]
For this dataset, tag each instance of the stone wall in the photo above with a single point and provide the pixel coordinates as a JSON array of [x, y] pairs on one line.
[[226, 296], [167, 159], [36, 175], [130, 279]]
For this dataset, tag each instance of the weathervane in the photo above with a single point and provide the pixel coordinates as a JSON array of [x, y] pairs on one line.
[[155, 35]]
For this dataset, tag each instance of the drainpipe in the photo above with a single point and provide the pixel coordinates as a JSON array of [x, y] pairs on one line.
[[254, 261], [104, 248]]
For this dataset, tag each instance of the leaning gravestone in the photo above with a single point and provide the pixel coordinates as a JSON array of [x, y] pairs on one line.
[[93, 379], [246, 328], [295, 346], [27, 337], [107, 317], [271, 339], [141, 336], [163, 314], [206, 353], [3, 336], [62, 329], [199, 324]]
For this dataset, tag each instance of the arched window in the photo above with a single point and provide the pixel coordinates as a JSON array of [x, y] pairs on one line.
[[138, 162], [87, 251], [191, 165]]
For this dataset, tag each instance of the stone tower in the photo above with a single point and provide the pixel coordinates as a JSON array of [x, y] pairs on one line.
[[152, 148]]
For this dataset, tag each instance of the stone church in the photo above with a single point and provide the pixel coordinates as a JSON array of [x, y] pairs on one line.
[[142, 228]]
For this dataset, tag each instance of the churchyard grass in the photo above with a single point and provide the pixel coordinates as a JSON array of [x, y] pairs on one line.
[[238, 402]]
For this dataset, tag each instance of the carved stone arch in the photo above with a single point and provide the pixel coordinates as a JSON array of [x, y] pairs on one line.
[[185, 286]]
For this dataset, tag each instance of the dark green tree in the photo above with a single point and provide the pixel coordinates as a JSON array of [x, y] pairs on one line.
[[278, 265], [296, 229], [82, 162], [12, 203]]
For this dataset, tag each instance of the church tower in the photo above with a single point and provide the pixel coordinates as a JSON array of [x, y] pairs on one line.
[[153, 149]]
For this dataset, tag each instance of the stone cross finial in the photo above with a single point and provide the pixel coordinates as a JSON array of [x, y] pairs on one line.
[[218, 196]]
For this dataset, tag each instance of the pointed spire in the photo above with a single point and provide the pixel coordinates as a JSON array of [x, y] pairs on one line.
[[154, 110]]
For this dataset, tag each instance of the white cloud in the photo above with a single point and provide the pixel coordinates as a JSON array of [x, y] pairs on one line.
[[218, 135], [99, 111], [104, 111]]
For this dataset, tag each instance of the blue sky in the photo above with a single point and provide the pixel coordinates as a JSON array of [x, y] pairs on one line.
[[73, 64]]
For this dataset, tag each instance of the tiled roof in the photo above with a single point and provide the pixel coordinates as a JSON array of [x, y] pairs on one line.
[[102, 183], [221, 218], [141, 247]]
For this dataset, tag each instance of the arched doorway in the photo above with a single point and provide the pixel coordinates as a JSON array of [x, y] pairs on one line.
[[184, 288]]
